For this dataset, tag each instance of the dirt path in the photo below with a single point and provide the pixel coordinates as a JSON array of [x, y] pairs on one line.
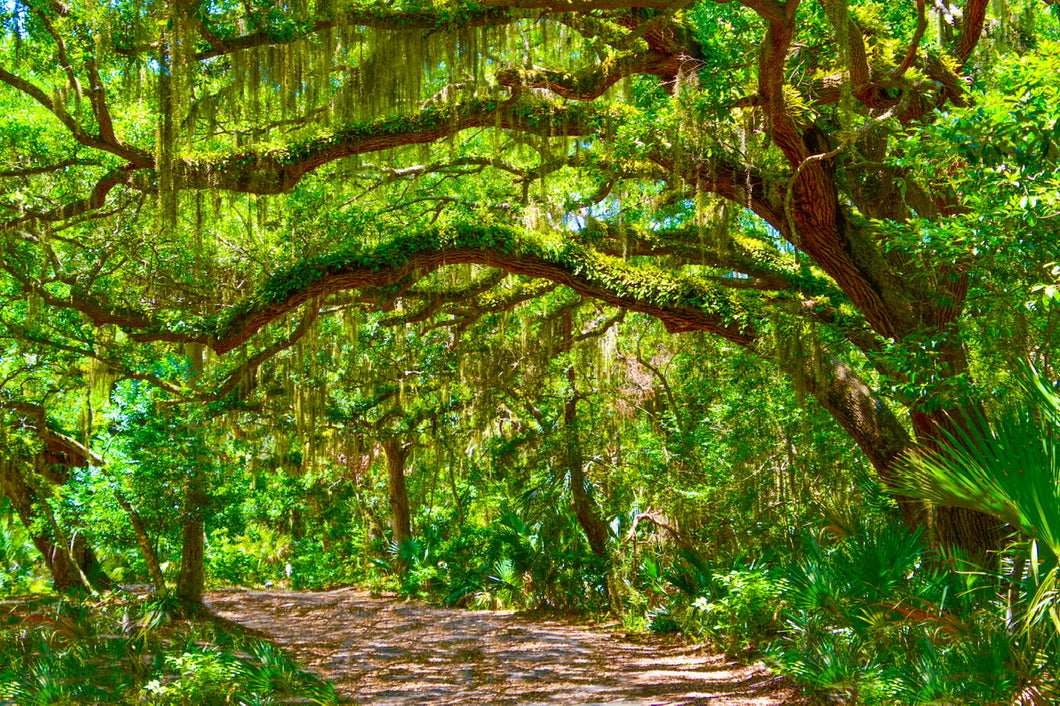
[[388, 651]]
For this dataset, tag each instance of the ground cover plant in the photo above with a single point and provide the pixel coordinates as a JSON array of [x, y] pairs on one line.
[[127, 649]]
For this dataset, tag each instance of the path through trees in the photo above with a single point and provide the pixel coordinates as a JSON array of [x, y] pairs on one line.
[[390, 651]]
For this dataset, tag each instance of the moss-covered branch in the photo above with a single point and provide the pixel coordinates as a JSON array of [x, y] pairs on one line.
[[592, 82], [275, 171], [588, 5], [375, 17], [681, 303]]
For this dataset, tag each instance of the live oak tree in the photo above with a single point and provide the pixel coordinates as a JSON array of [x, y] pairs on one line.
[[215, 178]]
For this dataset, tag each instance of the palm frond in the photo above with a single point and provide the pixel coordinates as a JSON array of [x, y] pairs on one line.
[[1009, 469]]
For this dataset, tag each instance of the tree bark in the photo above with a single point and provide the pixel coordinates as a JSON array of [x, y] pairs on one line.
[[192, 576], [884, 440], [584, 508], [67, 575], [400, 517], [977, 534], [154, 568]]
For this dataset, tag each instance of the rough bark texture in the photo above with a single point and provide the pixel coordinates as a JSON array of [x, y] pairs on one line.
[[147, 550], [976, 533], [400, 515], [66, 577], [192, 575]]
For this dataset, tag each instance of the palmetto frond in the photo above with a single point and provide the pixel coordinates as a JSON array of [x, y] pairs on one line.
[[1009, 468]]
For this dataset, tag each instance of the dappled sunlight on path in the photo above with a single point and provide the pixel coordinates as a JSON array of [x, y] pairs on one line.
[[385, 650]]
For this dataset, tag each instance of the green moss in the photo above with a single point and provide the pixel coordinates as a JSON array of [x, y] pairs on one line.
[[630, 281]]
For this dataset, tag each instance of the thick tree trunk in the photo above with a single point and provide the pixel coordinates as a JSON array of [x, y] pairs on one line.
[[868, 421], [884, 439], [400, 516], [192, 576], [975, 533], [897, 307]]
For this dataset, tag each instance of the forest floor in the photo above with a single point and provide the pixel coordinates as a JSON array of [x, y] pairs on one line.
[[386, 650]]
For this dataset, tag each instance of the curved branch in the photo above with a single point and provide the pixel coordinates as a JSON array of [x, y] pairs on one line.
[[278, 170], [45, 169], [741, 184], [59, 449], [680, 303], [772, 63], [430, 20], [236, 376], [588, 5], [971, 30], [914, 45], [55, 107], [92, 202], [590, 83], [432, 300]]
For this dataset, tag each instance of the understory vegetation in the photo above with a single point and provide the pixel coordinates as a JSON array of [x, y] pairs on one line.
[[126, 650], [736, 320]]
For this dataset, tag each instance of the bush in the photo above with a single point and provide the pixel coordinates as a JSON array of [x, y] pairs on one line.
[[124, 651]]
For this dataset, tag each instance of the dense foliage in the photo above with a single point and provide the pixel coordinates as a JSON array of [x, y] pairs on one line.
[[732, 318], [124, 650]]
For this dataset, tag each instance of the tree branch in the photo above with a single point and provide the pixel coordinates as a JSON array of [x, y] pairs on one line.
[[430, 20], [588, 5], [971, 30], [590, 83], [276, 171], [92, 202], [678, 302], [55, 107], [45, 169]]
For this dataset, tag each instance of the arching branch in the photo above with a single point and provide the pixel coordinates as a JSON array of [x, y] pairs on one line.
[[276, 171], [590, 83], [377, 18], [77, 131], [588, 5], [680, 303]]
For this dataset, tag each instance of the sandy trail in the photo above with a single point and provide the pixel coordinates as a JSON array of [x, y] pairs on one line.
[[385, 650]]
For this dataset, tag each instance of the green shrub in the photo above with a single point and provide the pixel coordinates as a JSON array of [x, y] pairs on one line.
[[123, 651]]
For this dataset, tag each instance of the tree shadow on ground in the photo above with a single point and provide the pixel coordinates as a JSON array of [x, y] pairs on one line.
[[385, 650]]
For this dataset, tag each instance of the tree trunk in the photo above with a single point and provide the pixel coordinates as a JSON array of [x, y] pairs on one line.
[[884, 440], [192, 575], [67, 575], [868, 421], [193, 544], [584, 508], [88, 563], [977, 534], [400, 517], [154, 568]]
